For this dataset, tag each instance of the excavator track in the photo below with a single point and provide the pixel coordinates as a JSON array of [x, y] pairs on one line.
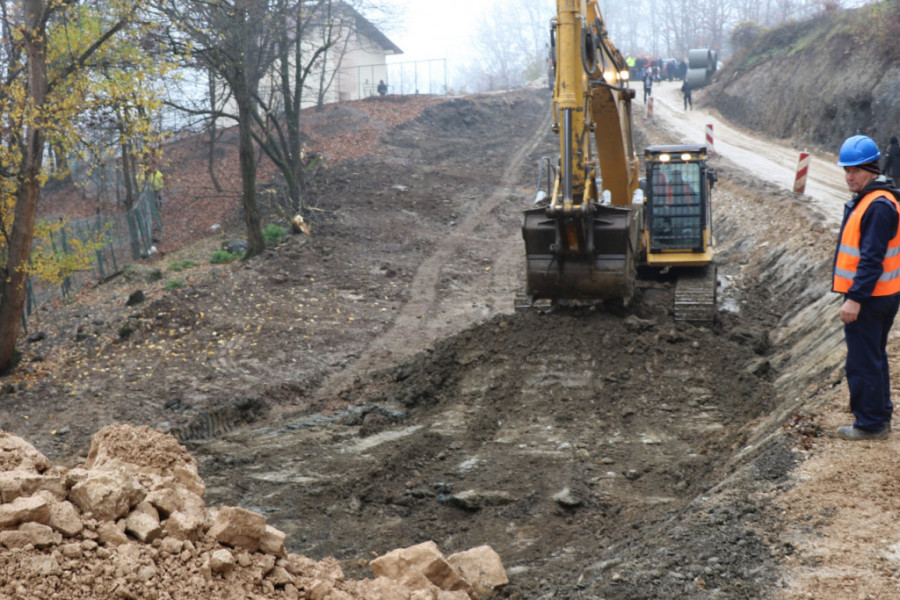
[[695, 294]]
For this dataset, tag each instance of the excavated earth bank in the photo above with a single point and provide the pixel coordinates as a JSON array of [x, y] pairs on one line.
[[817, 81], [369, 388]]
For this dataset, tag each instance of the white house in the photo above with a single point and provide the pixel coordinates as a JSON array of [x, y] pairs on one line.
[[363, 63], [353, 65]]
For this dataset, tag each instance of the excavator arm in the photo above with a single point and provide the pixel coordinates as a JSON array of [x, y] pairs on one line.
[[592, 99], [582, 239]]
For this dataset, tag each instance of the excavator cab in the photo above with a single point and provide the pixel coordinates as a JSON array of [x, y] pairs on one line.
[[678, 225], [678, 228]]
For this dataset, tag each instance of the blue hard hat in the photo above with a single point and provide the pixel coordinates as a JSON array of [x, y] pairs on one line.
[[858, 150]]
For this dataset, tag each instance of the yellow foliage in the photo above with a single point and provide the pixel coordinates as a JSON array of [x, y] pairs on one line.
[[59, 253], [86, 81]]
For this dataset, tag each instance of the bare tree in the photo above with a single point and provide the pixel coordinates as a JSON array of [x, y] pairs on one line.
[[233, 40], [511, 41], [274, 60], [301, 47]]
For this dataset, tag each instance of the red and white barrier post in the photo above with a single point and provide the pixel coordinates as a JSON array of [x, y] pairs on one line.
[[710, 147], [650, 107], [802, 170]]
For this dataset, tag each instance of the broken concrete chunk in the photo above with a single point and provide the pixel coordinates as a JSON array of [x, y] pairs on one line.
[[23, 510], [183, 526], [567, 498], [418, 565], [107, 495], [482, 568], [109, 534], [42, 566], [221, 561], [272, 542], [238, 527], [41, 535], [144, 525], [16, 453], [14, 539], [21, 482], [280, 577], [171, 545], [65, 519]]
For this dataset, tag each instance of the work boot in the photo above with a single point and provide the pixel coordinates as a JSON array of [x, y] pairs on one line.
[[853, 434]]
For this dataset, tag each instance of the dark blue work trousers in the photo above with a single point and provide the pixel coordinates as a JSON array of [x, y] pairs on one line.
[[867, 362]]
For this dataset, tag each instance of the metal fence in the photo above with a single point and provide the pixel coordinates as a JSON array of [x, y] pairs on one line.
[[407, 78], [128, 237]]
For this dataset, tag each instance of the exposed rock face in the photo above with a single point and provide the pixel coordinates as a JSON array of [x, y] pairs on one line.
[[132, 523], [813, 81]]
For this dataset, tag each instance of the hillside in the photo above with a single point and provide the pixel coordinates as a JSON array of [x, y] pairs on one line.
[[817, 81]]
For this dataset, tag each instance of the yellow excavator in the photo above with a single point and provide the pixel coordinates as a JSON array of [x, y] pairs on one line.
[[589, 231]]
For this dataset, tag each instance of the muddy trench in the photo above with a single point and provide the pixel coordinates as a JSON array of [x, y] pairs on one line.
[[603, 452]]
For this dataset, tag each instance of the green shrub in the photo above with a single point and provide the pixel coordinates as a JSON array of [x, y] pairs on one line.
[[182, 265], [220, 257], [173, 284], [273, 233]]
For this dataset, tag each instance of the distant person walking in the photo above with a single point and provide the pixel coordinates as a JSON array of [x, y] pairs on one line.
[[867, 273], [648, 84], [686, 90], [891, 166], [382, 87]]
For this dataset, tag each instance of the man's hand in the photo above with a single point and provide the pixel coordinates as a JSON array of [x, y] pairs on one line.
[[849, 311]]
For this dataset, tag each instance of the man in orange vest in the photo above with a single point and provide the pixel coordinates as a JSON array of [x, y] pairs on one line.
[[867, 273]]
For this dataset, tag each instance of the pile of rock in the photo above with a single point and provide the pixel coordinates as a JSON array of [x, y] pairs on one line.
[[132, 523]]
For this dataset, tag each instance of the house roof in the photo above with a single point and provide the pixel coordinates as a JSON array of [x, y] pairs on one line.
[[366, 28]]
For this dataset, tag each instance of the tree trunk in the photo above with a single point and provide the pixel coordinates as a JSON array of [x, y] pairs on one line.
[[247, 158], [295, 190], [129, 171], [12, 289], [213, 134]]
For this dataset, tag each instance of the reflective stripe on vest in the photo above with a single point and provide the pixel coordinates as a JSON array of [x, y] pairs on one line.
[[848, 251]]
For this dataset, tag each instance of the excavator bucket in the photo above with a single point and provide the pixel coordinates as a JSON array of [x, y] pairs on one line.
[[569, 260]]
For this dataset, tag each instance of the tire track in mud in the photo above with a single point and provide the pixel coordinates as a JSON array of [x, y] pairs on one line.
[[406, 335]]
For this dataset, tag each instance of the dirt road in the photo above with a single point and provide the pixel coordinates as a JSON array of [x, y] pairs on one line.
[[431, 311], [773, 161]]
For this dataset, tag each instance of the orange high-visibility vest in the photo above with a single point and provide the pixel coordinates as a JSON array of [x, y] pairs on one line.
[[848, 251]]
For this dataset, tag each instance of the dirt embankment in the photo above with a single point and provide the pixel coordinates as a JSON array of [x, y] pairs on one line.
[[817, 81]]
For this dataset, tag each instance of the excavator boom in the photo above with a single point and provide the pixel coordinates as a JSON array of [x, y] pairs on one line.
[[582, 237]]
